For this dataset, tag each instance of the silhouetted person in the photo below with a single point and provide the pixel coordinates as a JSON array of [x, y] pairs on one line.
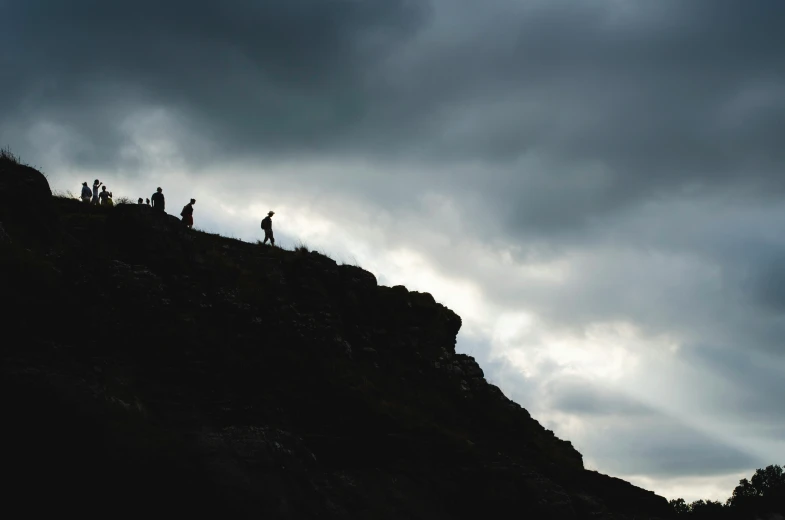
[[140, 201], [109, 202], [104, 195], [147, 201], [188, 214], [96, 185], [158, 200], [87, 193], [267, 225]]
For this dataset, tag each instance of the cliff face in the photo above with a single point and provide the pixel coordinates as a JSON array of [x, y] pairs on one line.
[[147, 369]]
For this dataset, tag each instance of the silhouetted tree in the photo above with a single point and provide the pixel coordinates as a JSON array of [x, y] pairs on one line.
[[762, 494], [759, 497], [707, 509], [765, 480], [680, 506]]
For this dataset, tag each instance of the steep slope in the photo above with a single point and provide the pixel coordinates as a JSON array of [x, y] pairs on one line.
[[148, 369]]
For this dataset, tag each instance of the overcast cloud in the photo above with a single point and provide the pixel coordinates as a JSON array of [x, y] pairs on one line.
[[596, 187]]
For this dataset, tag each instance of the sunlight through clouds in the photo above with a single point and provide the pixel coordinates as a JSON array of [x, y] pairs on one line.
[[599, 202]]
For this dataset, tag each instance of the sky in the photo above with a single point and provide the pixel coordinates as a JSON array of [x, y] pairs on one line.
[[596, 187]]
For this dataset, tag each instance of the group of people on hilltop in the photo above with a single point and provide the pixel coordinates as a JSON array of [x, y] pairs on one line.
[[94, 196], [158, 202]]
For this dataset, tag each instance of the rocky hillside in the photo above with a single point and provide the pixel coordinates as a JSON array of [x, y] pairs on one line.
[[152, 370]]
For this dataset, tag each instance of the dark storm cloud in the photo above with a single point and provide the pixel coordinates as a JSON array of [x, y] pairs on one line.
[[752, 383], [586, 106], [765, 282], [665, 447], [580, 397], [249, 75]]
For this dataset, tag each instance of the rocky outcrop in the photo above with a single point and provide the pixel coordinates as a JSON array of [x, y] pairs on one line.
[[157, 369], [25, 202]]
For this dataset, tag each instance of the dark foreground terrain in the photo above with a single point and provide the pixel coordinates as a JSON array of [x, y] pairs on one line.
[[150, 370]]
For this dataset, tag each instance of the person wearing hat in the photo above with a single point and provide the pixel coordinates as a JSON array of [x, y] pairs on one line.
[[267, 225], [188, 214], [87, 193], [158, 200]]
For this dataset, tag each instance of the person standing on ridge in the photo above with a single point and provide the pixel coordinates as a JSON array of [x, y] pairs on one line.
[[158, 200], [188, 214], [96, 185], [267, 225], [104, 195], [140, 201], [147, 201], [86, 193]]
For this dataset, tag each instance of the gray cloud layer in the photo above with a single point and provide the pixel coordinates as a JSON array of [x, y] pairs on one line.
[[642, 98]]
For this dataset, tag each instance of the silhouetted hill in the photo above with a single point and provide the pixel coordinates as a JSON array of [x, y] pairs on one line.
[[151, 370]]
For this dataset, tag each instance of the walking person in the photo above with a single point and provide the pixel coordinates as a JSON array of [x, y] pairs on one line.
[[188, 214], [159, 203], [267, 226], [87, 193]]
